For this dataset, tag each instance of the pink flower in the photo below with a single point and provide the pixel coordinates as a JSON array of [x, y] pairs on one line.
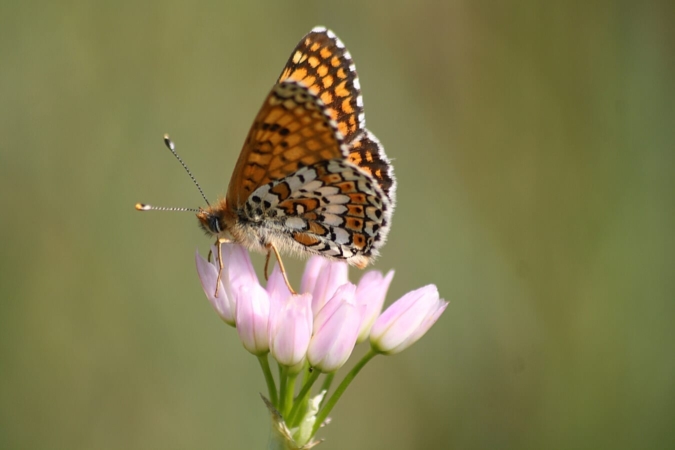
[[237, 266], [370, 294], [407, 320], [208, 274], [290, 324], [324, 323], [321, 279], [241, 301], [336, 328], [253, 311]]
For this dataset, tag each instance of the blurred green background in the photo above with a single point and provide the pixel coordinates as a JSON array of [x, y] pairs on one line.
[[533, 145]]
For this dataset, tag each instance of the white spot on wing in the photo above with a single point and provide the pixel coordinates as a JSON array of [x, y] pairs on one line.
[[312, 185], [327, 190], [338, 200], [337, 208], [332, 220], [341, 236], [295, 223]]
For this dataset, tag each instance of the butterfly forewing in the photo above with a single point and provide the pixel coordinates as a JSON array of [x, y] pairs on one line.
[[291, 131], [322, 64]]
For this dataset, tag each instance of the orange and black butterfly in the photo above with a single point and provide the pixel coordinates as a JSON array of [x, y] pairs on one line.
[[310, 179]]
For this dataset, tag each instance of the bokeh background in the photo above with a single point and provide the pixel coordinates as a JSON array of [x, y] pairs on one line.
[[533, 144]]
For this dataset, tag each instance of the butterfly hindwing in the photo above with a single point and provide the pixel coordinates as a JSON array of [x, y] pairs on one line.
[[367, 153], [331, 208]]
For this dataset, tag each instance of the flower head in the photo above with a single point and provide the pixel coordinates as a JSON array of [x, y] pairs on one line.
[[320, 326], [407, 320]]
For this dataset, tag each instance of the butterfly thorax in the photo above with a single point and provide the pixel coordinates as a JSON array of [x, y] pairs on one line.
[[245, 226]]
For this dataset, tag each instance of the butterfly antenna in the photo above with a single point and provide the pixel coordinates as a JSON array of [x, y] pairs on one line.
[[146, 207], [171, 146]]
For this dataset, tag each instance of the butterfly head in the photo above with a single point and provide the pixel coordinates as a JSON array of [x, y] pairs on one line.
[[210, 222], [214, 219]]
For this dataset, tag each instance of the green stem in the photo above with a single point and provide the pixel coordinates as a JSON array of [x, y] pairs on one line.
[[300, 399], [269, 378], [287, 401], [306, 372], [321, 417], [326, 385], [283, 387]]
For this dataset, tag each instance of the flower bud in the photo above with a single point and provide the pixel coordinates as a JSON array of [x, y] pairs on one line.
[[370, 294], [336, 328], [290, 323], [407, 320], [224, 304], [253, 309], [322, 278]]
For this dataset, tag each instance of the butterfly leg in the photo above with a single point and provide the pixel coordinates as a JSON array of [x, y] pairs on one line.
[[219, 243], [271, 247]]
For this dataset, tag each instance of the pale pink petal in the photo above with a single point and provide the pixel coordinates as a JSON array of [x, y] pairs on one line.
[[311, 273], [332, 275], [334, 342], [223, 304], [237, 261], [405, 321], [344, 293], [421, 330], [370, 294], [276, 285], [252, 315], [292, 330]]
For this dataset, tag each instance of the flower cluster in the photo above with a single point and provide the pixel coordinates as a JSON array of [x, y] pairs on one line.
[[313, 332]]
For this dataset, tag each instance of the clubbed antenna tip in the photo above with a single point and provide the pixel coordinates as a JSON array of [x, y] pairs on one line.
[[171, 146], [146, 207]]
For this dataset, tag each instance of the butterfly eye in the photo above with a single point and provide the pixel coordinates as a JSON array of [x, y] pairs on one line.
[[214, 224]]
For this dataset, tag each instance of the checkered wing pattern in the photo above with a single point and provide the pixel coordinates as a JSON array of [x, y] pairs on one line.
[[330, 208], [311, 178], [322, 64]]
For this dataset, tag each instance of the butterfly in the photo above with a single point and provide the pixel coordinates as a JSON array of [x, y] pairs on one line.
[[310, 178]]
